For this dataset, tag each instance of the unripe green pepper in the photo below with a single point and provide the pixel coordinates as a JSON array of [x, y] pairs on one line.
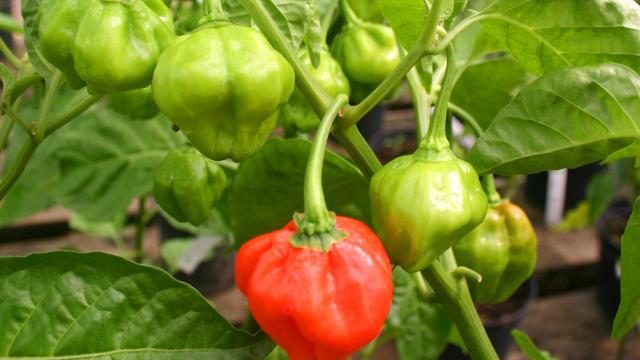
[[187, 184], [502, 249], [422, 203], [137, 104], [297, 113], [368, 53], [223, 86], [107, 45]]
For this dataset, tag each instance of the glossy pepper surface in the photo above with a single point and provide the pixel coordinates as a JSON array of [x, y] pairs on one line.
[[187, 184], [137, 104], [502, 249], [107, 45], [315, 304], [422, 203], [368, 53], [297, 113], [223, 86]]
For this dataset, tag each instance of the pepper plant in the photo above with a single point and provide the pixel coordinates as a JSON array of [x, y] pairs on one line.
[[123, 99]]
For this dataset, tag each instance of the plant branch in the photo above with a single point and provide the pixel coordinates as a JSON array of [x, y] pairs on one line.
[[425, 42], [74, 111], [9, 55], [466, 118], [43, 117], [454, 296], [13, 115], [421, 103], [16, 169], [358, 149]]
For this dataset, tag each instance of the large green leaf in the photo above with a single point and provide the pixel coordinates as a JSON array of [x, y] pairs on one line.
[[565, 119], [268, 188], [68, 305], [629, 311], [485, 87], [107, 160], [544, 35], [420, 329]]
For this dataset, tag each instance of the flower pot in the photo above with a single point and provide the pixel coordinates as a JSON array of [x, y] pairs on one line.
[[610, 228], [500, 319]]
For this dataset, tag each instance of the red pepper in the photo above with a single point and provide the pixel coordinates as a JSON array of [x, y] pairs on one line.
[[315, 304], [321, 287]]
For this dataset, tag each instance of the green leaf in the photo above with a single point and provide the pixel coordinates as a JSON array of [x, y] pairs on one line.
[[629, 311], [565, 119], [106, 161], [420, 329], [291, 17], [527, 346], [485, 87], [406, 18], [31, 17], [544, 35], [268, 188], [71, 305], [110, 229], [600, 191]]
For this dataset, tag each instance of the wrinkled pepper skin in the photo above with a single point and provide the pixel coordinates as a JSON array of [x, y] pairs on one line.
[[502, 249], [223, 87], [107, 45], [368, 53], [298, 114], [187, 184], [422, 203], [317, 305], [136, 104]]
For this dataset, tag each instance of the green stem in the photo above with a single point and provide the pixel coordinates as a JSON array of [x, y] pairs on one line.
[[12, 114], [489, 186], [436, 137], [425, 41], [423, 289], [421, 102], [74, 111], [457, 300], [140, 228], [9, 24], [315, 207], [5, 130], [358, 149], [16, 169], [349, 15], [463, 271], [466, 118], [11, 57], [43, 117], [213, 10], [312, 91]]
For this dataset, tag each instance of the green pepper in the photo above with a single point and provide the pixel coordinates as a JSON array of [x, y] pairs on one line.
[[297, 114], [368, 53], [137, 104], [223, 86], [186, 185], [107, 45], [423, 202], [502, 249]]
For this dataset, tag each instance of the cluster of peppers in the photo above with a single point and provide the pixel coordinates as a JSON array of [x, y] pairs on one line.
[[210, 82]]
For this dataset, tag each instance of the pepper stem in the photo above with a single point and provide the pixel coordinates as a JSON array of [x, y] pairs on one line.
[[316, 219], [489, 187], [436, 137], [213, 11], [349, 15]]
